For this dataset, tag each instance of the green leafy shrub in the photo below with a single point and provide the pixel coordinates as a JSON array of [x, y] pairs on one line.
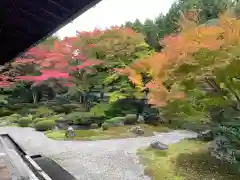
[[28, 105], [25, 121], [44, 125], [60, 109], [72, 107], [19, 106], [194, 126], [81, 118], [105, 126], [3, 102], [130, 119], [113, 112], [67, 108], [5, 112], [24, 111], [115, 120], [81, 109], [122, 107], [42, 112], [35, 121], [98, 119], [229, 129], [99, 109], [52, 118], [14, 118]]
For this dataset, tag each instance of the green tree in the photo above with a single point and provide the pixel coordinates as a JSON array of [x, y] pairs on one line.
[[150, 31]]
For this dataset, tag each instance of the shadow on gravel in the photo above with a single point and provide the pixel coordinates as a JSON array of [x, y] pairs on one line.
[[52, 169]]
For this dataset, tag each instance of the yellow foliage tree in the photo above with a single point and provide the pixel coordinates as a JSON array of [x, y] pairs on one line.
[[196, 54]]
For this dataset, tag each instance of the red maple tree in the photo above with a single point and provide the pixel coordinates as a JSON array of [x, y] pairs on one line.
[[51, 62], [55, 62]]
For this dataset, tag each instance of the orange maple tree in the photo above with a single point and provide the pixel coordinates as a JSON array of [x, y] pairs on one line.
[[178, 62]]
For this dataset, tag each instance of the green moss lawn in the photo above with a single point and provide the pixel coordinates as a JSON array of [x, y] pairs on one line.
[[187, 160], [111, 133]]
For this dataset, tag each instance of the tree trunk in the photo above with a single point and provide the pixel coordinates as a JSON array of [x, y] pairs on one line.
[[34, 97]]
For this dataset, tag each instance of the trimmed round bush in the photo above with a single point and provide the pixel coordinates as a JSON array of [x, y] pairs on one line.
[[98, 119], [25, 121], [68, 108], [38, 120], [130, 119], [5, 112], [42, 112], [72, 106], [60, 109], [14, 118], [80, 118], [44, 125], [105, 126]]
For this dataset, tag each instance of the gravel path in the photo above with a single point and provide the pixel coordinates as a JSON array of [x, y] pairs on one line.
[[93, 160]]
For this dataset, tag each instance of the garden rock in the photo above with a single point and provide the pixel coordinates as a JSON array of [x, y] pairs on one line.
[[206, 135], [70, 132], [158, 145], [137, 130]]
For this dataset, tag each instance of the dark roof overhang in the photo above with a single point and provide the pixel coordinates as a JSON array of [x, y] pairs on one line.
[[25, 23]]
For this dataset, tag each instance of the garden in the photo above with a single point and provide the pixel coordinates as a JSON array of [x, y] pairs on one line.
[[138, 80]]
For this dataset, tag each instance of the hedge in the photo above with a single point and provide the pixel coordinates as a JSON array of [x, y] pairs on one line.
[[45, 125]]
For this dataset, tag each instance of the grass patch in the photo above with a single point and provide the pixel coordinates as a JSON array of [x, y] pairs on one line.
[[186, 160], [111, 133]]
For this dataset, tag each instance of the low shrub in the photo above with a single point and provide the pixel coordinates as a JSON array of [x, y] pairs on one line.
[[85, 119], [68, 108], [28, 105], [105, 126], [130, 119], [80, 118], [20, 106], [81, 109], [24, 111], [14, 118], [115, 120], [73, 118], [38, 120], [5, 112], [45, 125], [42, 112], [25, 121], [72, 106], [52, 118], [60, 109], [98, 119]]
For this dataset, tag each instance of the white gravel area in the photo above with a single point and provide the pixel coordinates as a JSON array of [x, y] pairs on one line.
[[93, 160]]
